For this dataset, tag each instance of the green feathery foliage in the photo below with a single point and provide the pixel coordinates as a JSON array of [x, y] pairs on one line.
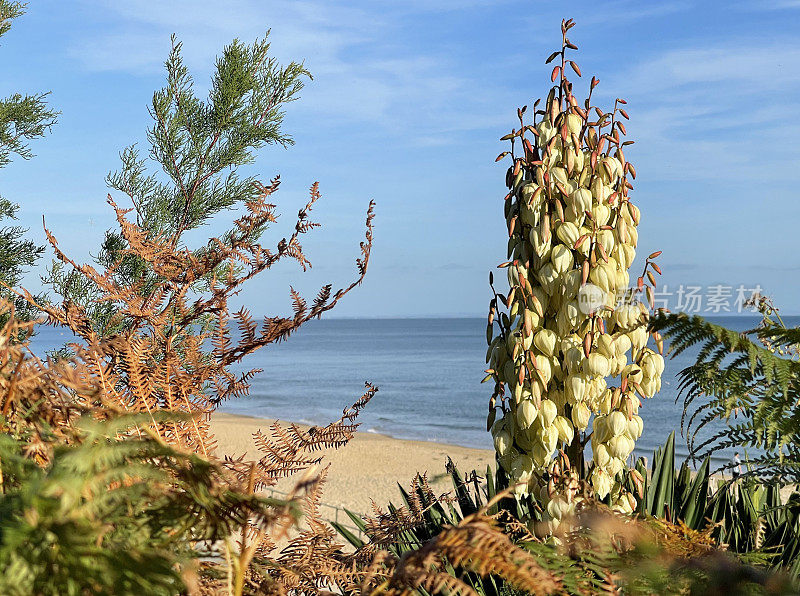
[[198, 145], [22, 118], [114, 514], [748, 380]]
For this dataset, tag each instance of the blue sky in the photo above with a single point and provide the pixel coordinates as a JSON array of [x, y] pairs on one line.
[[406, 107]]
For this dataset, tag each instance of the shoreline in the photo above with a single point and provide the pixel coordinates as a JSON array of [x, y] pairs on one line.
[[363, 430], [367, 469]]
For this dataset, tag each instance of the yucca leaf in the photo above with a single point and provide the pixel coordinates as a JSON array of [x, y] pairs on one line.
[[694, 504]]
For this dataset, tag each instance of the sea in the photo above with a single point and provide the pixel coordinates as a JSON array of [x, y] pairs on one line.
[[428, 371]]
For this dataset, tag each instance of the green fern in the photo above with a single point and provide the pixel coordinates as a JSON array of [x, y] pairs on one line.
[[750, 381], [114, 514]]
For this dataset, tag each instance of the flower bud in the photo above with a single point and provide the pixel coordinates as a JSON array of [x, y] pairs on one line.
[[601, 482], [601, 456], [576, 388], [526, 413], [580, 416], [545, 341], [567, 232], [635, 427], [547, 412], [574, 123], [596, 365], [633, 373], [549, 436], [617, 423], [562, 258], [502, 441], [546, 132], [565, 430]]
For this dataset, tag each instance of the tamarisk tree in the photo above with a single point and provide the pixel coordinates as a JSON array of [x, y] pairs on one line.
[[569, 325], [22, 118], [156, 336], [199, 146]]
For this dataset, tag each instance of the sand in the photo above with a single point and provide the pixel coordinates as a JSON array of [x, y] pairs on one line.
[[369, 467]]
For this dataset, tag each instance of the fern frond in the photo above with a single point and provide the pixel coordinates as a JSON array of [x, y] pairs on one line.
[[738, 375]]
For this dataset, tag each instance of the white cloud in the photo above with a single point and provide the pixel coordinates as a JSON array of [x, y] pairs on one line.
[[364, 70], [720, 112], [139, 27], [776, 65]]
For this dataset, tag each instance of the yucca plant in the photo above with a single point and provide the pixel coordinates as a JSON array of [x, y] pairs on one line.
[[749, 516], [602, 552], [570, 321]]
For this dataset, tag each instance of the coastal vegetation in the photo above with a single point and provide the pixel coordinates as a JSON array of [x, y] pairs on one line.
[[569, 324], [23, 118], [111, 480]]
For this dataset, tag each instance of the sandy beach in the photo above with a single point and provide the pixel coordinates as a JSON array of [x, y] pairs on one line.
[[368, 468]]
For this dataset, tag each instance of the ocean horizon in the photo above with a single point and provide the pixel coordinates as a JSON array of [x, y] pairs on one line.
[[428, 371]]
